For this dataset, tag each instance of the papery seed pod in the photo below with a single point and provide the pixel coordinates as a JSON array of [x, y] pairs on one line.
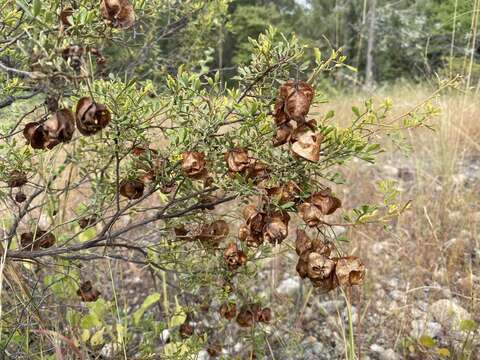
[[306, 143], [302, 267], [256, 171], [20, 197], [265, 315], [181, 233], [51, 102], [118, 13], [282, 134], [251, 240], [311, 214], [91, 117], [324, 285], [60, 127], [87, 221], [132, 189], [16, 178], [87, 293], [193, 164], [37, 239], [303, 243], [349, 271], [237, 159], [214, 349], [228, 311], [168, 187], [325, 201], [246, 316], [74, 55], [255, 219], [233, 257], [279, 113], [186, 330], [275, 229], [37, 136], [319, 266], [298, 97], [212, 234]]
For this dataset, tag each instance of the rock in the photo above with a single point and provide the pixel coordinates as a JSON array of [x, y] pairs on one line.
[[448, 314], [289, 286], [377, 348], [330, 307], [165, 336], [421, 327], [390, 171], [389, 354], [396, 295], [202, 355]]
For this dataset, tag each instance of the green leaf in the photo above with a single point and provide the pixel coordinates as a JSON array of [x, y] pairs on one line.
[[356, 111], [37, 7], [90, 321], [468, 325], [443, 352], [97, 338], [426, 341], [149, 301], [178, 318]]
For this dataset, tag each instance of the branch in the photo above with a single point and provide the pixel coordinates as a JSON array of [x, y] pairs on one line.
[[9, 100]]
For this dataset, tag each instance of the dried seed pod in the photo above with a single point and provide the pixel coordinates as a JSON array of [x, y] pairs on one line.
[[311, 214], [118, 13], [228, 311], [302, 267], [279, 113], [181, 233], [36, 240], [168, 187], [282, 134], [233, 257], [265, 315], [91, 117], [87, 293], [74, 55], [246, 316], [193, 164], [132, 189], [212, 234], [51, 102], [284, 193], [303, 244], [20, 197], [37, 136], [275, 229], [306, 143], [186, 330], [251, 240], [16, 178], [256, 170], [324, 285], [255, 219], [349, 271], [237, 159], [298, 96], [60, 127], [319, 266], [87, 221], [325, 201], [214, 349]]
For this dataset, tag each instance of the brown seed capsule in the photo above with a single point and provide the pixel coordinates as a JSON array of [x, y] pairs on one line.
[[324, 285], [265, 315], [319, 266], [20, 197], [37, 136], [246, 316], [228, 311], [256, 171], [297, 98], [74, 56], [233, 257], [186, 330], [37, 239], [303, 244], [87, 293], [302, 268], [181, 233], [193, 164], [118, 13], [87, 221], [276, 227], [214, 349], [279, 113], [325, 201], [306, 143], [311, 214], [255, 219], [91, 117], [16, 179], [132, 189], [349, 271], [282, 134], [251, 240], [212, 234], [63, 17], [60, 127], [237, 159]]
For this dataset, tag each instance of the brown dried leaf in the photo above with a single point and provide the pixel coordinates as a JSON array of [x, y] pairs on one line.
[[91, 117], [118, 13]]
